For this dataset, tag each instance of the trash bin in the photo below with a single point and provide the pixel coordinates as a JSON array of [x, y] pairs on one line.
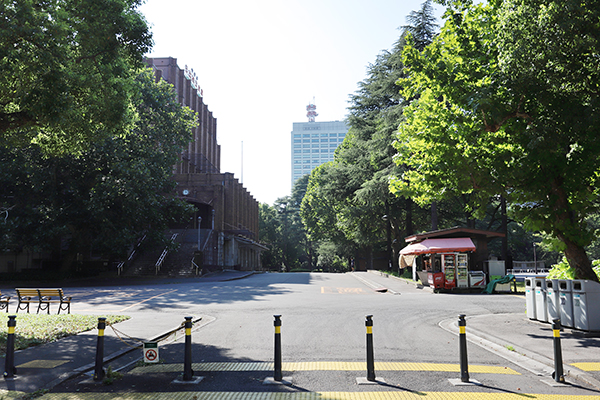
[[541, 300], [553, 299], [565, 294], [586, 305], [530, 297]]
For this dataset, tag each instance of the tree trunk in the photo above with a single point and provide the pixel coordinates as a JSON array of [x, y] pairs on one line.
[[504, 229], [409, 216], [565, 218], [579, 260], [434, 216]]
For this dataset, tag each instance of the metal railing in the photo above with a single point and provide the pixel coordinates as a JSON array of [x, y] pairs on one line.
[[195, 266], [121, 265], [163, 255]]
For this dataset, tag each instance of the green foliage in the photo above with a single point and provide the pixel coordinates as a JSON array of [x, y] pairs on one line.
[[563, 270], [67, 69], [498, 111], [36, 329], [104, 197], [281, 228], [111, 376], [347, 199]]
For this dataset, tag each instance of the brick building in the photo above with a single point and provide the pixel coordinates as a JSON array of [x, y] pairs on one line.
[[227, 212]]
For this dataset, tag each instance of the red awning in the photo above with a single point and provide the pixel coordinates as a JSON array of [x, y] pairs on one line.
[[433, 246]]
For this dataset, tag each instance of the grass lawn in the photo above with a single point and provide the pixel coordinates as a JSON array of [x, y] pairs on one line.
[[35, 329]]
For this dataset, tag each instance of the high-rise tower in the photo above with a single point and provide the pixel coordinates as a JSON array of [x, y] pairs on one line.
[[313, 143]]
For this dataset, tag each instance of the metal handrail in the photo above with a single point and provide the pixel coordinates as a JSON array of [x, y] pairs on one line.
[[163, 255], [194, 265]]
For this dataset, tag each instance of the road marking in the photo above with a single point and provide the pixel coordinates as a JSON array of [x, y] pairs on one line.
[[587, 366], [148, 299], [47, 364], [396, 395], [323, 366], [338, 290]]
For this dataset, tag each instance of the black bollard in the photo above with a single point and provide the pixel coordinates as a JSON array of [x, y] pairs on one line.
[[187, 357], [9, 362], [464, 364], [277, 374], [370, 356], [99, 370], [558, 373]]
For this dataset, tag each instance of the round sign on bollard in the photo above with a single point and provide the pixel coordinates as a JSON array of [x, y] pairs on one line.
[[151, 352]]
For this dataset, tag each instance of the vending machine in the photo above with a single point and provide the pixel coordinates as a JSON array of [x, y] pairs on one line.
[[449, 269], [462, 271]]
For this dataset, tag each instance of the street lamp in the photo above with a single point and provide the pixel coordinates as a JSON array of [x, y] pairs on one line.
[[199, 233], [386, 218]]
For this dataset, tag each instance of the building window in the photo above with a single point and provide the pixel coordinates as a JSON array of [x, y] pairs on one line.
[[306, 135], [296, 151], [297, 140], [333, 135]]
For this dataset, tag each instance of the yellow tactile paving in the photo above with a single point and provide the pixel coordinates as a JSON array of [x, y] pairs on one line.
[[587, 366], [323, 366], [311, 396]]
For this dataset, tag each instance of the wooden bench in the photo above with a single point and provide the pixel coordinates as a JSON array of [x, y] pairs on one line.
[[4, 301], [43, 297]]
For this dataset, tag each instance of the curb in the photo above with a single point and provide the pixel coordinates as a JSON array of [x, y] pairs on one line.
[[526, 359], [111, 357], [407, 281]]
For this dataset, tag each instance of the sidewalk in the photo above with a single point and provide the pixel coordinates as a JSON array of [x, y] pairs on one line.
[[527, 343], [44, 366]]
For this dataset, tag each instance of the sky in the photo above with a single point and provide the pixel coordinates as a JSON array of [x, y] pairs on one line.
[[261, 62]]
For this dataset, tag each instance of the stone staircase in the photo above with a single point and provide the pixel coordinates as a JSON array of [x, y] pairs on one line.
[[177, 263]]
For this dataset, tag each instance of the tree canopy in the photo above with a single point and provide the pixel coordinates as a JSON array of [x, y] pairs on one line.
[[66, 70], [348, 200], [103, 198], [503, 107]]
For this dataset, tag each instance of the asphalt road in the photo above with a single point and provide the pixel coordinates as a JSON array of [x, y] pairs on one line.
[[323, 319]]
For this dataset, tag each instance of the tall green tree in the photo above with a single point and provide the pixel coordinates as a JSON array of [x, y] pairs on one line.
[[503, 107], [103, 198], [66, 70], [281, 228], [350, 196]]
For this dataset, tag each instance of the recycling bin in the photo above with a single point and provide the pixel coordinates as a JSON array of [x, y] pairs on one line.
[[530, 297], [586, 305], [541, 300], [553, 299], [565, 295]]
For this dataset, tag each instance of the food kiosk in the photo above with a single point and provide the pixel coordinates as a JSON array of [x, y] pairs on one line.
[[446, 262]]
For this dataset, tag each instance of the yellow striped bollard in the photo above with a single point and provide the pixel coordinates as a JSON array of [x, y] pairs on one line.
[[464, 364], [277, 374], [9, 362], [99, 369], [188, 373], [558, 373], [370, 353]]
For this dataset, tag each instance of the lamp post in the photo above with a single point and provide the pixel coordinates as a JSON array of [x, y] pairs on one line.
[[199, 232], [388, 229]]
